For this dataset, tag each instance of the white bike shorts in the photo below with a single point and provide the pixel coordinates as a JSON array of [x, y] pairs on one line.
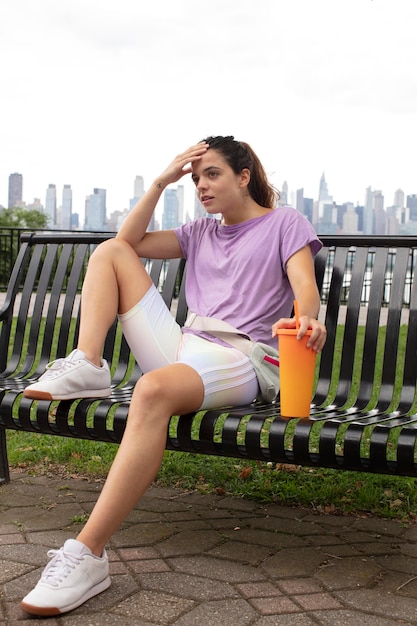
[[157, 340]]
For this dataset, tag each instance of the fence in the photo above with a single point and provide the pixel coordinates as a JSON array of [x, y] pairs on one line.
[[367, 279], [9, 245]]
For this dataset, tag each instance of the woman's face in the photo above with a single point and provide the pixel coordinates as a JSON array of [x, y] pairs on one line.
[[219, 189]]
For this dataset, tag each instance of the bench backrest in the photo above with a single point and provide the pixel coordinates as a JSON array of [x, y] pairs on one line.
[[369, 285]]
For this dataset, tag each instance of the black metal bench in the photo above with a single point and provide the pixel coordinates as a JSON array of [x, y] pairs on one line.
[[364, 413]]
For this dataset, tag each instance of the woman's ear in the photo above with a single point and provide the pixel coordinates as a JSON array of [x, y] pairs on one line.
[[244, 177]]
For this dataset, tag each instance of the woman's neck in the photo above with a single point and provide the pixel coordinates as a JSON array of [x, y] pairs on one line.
[[247, 211]]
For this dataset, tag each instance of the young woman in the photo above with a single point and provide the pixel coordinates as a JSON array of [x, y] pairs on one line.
[[245, 269]]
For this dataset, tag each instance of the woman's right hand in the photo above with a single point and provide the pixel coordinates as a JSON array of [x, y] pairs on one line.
[[181, 165]]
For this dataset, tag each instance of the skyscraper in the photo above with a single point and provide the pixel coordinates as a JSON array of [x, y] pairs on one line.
[[299, 203], [308, 208], [199, 210], [325, 203], [50, 205], [412, 205], [379, 212], [170, 214], [66, 211], [138, 191], [95, 211], [368, 213], [399, 198], [323, 191], [180, 198], [350, 219], [15, 190], [283, 200]]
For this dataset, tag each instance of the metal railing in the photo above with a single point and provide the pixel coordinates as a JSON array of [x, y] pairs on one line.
[[9, 247]]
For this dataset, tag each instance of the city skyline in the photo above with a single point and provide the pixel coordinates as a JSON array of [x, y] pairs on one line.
[[376, 215], [139, 182], [102, 91], [189, 191]]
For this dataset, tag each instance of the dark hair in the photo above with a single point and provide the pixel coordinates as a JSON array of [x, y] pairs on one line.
[[240, 156]]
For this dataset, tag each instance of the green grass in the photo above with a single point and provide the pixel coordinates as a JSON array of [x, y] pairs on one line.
[[322, 490]]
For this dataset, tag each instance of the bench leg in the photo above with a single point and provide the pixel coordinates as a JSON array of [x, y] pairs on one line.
[[4, 463]]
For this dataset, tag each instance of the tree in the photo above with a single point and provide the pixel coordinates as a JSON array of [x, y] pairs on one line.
[[17, 217]]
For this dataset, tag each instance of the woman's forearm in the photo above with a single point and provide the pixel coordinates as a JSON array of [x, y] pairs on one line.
[[136, 223]]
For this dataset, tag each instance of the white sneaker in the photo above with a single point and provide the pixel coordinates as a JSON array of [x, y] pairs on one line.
[[71, 378], [73, 576]]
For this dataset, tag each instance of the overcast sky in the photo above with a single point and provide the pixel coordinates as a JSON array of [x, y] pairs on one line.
[[95, 92]]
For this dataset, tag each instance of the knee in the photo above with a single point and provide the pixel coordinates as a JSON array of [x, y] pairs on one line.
[[110, 249], [150, 392]]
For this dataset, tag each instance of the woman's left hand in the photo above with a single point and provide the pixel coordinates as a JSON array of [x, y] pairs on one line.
[[318, 330]]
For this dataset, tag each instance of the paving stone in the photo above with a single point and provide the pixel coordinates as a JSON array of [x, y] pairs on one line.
[[298, 527], [408, 549], [398, 583], [387, 605], [141, 516], [190, 525], [218, 569], [265, 538], [230, 612], [286, 512], [294, 619], [338, 550], [10, 570], [103, 619], [317, 601], [161, 505], [136, 553], [410, 534], [275, 605], [376, 548], [258, 590], [297, 586], [149, 566], [243, 552], [186, 586], [349, 572], [294, 562], [399, 563], [379, 526], [159, 608], [189, 542], [142, 535], [17, 617], [354, 618], [11, 539]]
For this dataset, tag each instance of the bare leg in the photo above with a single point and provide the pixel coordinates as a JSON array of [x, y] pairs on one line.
[[171, 390], [115, 281]]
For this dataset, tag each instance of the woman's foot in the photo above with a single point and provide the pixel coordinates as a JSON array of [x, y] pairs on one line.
[[71, 378], [73, 576]]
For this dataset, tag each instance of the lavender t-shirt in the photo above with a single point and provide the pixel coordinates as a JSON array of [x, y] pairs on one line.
[[238, 273]]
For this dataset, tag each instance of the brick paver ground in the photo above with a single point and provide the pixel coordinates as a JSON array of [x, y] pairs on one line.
[[189, 559]]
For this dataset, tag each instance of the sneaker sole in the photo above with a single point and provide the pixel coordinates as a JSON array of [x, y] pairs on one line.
[[88, 393], [49, 611]]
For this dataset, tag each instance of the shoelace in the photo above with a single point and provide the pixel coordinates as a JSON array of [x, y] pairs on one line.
[[59, 567], [53, 368]]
